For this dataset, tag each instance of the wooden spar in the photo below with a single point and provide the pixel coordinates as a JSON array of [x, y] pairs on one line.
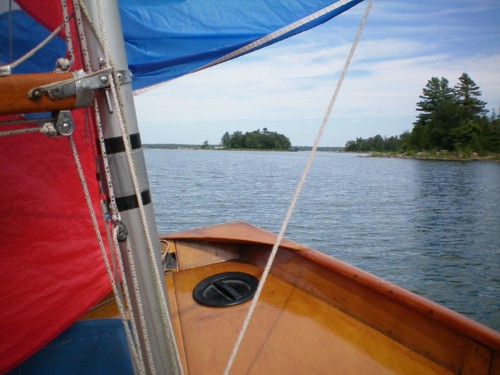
[[15, 89]]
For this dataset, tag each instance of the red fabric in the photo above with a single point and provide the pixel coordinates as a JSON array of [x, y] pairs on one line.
[[51, 271], [47, 12]]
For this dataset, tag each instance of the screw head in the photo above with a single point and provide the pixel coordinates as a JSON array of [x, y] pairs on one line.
[[35, 94]]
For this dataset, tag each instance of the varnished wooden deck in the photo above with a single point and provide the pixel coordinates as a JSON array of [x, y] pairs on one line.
[[292, 332]]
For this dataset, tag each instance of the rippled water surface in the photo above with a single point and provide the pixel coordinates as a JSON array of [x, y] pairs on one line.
[[432, 227]]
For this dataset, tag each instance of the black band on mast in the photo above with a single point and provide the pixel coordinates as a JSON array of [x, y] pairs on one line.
[[130, 202], [115, 145]]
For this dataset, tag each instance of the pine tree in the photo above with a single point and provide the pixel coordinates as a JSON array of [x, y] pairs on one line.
[[438, 115], [467, 94]]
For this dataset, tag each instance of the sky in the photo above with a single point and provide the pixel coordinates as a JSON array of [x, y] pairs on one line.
[[286, 87]]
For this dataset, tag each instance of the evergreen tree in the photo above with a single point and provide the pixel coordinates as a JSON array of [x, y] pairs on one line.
[[449, 118], [438, 107], [467, 94], [264, 140], [434, 94], [226, 140]]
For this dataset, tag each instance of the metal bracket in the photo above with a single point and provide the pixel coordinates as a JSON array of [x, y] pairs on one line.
[[82, 85], [5, 70], [65, 124]]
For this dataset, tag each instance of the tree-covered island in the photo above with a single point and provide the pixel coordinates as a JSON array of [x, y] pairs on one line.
[[450, 120], [256, 140]]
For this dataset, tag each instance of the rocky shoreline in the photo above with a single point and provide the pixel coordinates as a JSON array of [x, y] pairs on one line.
[[439, 155]]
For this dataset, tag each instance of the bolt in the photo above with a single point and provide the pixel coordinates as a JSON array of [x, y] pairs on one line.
[[36, 94], [104, 80]]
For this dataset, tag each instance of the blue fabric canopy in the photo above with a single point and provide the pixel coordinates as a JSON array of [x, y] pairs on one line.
[[166, 39]]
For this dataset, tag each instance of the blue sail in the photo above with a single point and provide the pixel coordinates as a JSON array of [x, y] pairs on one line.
[[168, 39], [184, 36]]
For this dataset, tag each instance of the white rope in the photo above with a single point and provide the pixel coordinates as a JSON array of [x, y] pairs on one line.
[[67, 33], [10, 31], [133, 340], [47, 129], [260, 42], [102, 42], [158, 285], [298, 189], [74, 79], [99, 239], [166, 319], [36, 49], [276, 34]]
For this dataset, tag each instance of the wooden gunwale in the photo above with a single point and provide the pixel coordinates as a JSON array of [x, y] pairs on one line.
[[432, 310]]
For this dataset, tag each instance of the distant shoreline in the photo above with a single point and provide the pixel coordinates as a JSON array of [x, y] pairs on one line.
[[423, 155], [440, 155], [174, 146]]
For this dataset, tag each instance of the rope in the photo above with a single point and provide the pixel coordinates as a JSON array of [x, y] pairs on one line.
[[260, 42], [158, 286], [36, 49], [99, 239], [11, 54], [107, 59], [48, 86], [133, 341], [276, 34], [27, 121], [298, 189], [47, 129], [158, 280], [67, 33]]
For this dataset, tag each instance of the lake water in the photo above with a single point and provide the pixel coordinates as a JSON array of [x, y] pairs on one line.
[[432, 227]]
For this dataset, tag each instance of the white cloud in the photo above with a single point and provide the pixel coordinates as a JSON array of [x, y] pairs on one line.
[[287, 87]]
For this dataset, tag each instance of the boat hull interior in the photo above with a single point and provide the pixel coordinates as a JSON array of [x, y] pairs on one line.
[[316, 315]]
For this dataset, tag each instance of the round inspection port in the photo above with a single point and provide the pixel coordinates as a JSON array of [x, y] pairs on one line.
[[225, 289]]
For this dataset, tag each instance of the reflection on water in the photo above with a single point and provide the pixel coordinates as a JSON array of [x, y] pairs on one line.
[[432, 227]]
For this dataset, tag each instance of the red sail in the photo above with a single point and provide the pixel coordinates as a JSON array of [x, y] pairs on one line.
[[51, 270]]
